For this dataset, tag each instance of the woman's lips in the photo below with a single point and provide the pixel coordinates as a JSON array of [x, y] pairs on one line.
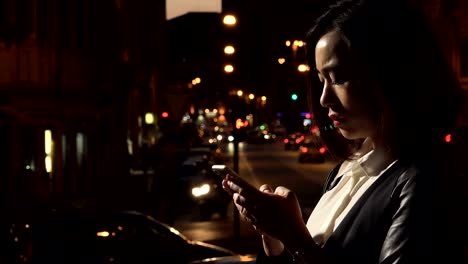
[[336, 123], [337, 120]]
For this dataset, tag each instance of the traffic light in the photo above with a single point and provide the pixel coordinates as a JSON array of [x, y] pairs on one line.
[[294, 97]]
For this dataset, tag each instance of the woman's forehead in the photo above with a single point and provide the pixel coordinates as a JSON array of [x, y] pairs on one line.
[[331, 49]]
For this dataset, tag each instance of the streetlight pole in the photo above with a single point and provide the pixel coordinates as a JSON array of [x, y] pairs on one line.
[[236, 169], [230, 21]]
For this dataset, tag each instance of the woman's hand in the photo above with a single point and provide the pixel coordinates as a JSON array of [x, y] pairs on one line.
[[271, 246], [276, 214]]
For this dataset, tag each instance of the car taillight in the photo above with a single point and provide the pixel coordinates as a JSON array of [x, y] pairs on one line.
[[304, 150], [448, 138], [297, 141], [322, 150], [286, 141]]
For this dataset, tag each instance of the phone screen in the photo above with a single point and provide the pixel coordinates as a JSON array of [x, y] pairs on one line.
[[223, 170]]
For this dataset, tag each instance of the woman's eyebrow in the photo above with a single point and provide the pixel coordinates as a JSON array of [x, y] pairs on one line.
[[328, 68], [331, 66]]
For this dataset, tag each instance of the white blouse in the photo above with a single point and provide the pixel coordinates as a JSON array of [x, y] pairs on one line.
[[357, 176]]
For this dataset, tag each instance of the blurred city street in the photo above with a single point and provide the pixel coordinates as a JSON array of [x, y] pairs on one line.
[[107, 106], [258, 164]]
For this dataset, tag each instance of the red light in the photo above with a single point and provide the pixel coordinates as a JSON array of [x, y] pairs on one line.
[[448, 138], [304, 150], [307, 116], [286, 141], [164, 114], [322, 150], [314, 130], [297, 140]]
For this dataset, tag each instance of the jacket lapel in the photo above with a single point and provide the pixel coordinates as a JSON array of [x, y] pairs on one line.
[[362, 219]]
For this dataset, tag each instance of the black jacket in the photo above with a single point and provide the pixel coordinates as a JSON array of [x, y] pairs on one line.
[[402, 218]]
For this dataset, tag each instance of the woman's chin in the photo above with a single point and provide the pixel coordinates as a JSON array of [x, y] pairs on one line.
[[351, 135]]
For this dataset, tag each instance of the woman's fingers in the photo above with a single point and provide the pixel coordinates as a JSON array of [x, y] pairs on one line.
[[243, 208], [266, 188], [226, 187], [233, 186], [282, 191]]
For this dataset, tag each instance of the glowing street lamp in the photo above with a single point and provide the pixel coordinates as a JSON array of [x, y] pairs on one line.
[[240, 93], [263, 98], [303, 68], [251, 96], [229, 20], [196, 81], [228, 68], [149, 118], [229, 50], [299, 43]]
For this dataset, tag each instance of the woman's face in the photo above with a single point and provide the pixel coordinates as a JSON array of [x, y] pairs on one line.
[[348, 92]]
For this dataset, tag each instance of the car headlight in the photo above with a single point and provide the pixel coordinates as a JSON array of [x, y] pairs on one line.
[[201, 190]]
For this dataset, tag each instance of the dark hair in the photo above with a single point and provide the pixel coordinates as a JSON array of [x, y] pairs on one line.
[[420, 93]]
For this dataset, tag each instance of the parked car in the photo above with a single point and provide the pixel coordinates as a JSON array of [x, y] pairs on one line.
[[79, 236], [293, 141], [207, 192], [200, 185], [312, 150]]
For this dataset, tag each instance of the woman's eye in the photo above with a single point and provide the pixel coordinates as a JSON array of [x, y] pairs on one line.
[[338, 81], [338, 77]]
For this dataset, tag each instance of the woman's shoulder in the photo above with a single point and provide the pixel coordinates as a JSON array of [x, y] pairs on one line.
[[425, 178]]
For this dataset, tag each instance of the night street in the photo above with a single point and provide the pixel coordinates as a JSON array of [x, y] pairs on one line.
[[113, 113], [259, 163]]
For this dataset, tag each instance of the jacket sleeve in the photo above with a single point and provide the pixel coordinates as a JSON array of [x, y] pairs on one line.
[[397, 241], [418, 231]]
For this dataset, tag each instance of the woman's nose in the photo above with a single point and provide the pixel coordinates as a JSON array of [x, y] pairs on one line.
[[327, 97]]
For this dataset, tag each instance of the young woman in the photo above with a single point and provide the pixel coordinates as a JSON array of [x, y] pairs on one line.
[[382, 82]]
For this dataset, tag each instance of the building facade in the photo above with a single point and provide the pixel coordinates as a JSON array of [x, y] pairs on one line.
[[76, 78]]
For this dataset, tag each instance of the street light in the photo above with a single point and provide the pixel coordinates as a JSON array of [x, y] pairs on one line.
[[251, 96], [281, 60], [228, 68], [303, 68], [229, 20], [196, 81], [263, 98], [240, 93], [149, 118], [229, 50], [298, 43]]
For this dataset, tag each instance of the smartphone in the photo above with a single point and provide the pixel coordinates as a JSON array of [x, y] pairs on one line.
[[223, 170]]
